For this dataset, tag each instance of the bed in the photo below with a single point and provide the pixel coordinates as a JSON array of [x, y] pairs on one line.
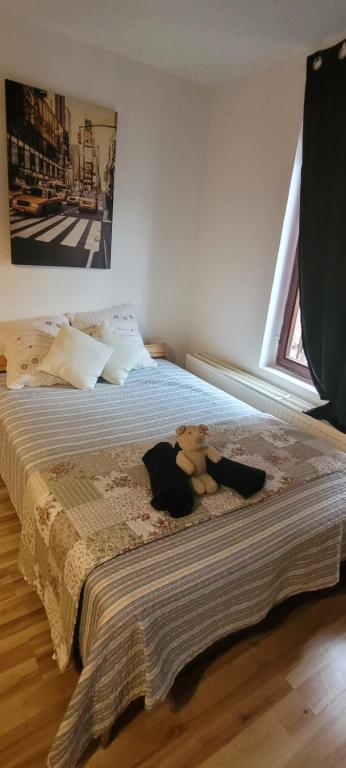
[[146, 613]]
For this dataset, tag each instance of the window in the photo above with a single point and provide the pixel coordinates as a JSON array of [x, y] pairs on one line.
[[282, 351], [290, 353]]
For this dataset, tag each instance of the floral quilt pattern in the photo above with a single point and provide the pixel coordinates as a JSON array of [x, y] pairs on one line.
[[92, 507]]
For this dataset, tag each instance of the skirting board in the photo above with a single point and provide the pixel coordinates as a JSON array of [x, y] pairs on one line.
[[262, 396]]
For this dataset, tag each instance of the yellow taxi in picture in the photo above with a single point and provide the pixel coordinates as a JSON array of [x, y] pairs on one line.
[[15, 191], [37, 201], [88, 202], [73, 198]]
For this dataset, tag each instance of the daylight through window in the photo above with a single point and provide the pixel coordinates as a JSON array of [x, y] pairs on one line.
[[290, 349]]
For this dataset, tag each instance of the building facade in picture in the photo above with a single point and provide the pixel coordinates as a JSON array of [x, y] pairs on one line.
[[61, 163]]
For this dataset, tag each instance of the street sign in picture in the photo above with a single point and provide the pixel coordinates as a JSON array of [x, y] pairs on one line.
[[61, 163]]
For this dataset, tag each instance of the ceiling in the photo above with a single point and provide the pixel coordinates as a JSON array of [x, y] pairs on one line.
[[207, 41]]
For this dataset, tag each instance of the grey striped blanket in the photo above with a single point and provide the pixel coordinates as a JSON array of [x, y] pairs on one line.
[[39, 426], [148, 612], [90, 508]]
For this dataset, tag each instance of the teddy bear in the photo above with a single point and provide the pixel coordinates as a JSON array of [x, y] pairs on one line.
[[191, 457]]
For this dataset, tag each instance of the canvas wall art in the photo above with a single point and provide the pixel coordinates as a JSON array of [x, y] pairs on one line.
[[61, 162]]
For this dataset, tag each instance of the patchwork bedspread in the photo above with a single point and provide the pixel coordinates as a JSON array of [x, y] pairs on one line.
[[90, 508], [146, 613]]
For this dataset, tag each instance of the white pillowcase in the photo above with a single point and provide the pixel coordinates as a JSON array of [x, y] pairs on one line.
[[13, 328], [126, 352], [121, 317], [77, 358], [24, 354], [144, 360]]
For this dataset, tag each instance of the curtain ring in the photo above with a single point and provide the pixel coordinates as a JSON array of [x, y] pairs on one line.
[[317, 63], [342, 51]]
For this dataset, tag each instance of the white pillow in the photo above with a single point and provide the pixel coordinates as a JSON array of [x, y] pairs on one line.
[[126, 352], [24, 354], [13, 328], [144, 360], [77, 358], [122, 317]]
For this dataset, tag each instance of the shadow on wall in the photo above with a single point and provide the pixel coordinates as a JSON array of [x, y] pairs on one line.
[[176, 203]]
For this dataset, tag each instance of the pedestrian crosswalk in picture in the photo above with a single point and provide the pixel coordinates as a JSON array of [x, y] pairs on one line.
[[71, 238], [61, 156]]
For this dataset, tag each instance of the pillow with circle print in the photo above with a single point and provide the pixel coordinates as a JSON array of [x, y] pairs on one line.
[[24, 354], [11, 329]]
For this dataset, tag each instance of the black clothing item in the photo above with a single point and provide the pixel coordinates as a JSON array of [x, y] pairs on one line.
[[246, 480], [171, 487]]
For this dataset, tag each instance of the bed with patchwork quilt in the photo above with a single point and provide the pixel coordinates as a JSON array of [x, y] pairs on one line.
[[152, 591]]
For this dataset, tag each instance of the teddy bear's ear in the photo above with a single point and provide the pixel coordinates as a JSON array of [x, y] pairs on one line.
[[204, 428], [180, 430]]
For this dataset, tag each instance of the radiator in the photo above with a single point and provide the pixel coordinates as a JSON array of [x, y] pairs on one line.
[[263, 396]]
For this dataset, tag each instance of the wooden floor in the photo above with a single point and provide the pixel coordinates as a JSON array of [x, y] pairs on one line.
[[271, 697]]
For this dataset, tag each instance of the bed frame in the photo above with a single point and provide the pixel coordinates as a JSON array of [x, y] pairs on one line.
[[156, 350]]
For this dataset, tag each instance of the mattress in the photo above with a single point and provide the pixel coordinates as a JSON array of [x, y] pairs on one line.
[[147, 613]]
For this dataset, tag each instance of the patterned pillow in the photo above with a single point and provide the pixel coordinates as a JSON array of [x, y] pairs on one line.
[[48, 323], [122, 318], [24, 354]]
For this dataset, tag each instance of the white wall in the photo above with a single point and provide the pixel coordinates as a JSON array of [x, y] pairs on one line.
[[162, 131], [254, 132]]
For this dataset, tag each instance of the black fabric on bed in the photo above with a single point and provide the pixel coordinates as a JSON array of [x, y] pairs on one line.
[[246, 480], [170, 486]]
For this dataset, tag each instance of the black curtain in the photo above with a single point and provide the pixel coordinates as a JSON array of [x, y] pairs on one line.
[[322, 234]]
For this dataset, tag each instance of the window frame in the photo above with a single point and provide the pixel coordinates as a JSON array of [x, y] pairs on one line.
[[283, 285], [282, 359]]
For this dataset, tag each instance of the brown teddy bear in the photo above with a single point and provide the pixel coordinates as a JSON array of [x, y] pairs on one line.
[[192, 457]]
